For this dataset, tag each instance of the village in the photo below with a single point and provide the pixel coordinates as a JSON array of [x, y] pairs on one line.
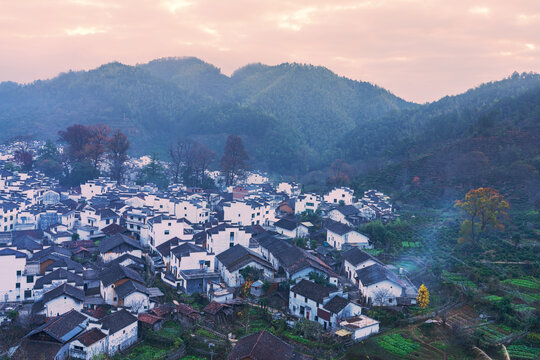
[[95, 269]]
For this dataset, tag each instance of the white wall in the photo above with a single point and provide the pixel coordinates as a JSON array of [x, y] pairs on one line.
[[12, 274], [123, 338], [218, 243], [60, 305], [338, 195]]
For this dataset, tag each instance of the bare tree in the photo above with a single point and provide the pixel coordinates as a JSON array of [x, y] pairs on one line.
[[181, 153], [381, 296], [202, 158], [117, 148]]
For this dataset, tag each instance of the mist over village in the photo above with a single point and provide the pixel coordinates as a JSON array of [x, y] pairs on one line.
[[241, 180]]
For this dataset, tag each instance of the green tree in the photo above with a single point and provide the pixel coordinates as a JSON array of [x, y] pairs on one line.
[[154, 173]]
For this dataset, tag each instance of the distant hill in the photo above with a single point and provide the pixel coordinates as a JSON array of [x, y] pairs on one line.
[[488, 136], [291, 116]]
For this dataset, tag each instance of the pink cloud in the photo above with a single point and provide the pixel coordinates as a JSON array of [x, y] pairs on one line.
[[420, 50]]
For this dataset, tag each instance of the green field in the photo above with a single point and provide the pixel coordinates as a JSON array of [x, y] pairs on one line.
[[523, 352]]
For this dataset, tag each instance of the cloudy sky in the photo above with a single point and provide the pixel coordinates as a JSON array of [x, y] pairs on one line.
[[421, 50]]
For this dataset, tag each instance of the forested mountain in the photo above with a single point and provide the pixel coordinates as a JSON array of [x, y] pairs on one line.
[[291, 116], [488, 136]]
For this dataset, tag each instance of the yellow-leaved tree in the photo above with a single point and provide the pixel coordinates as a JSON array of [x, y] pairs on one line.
[[422, 299], [483, 207]]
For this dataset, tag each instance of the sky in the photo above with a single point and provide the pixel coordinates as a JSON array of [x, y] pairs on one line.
[[421, 50]]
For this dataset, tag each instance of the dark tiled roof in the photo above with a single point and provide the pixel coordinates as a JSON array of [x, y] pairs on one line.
[[165, 248], [312, 290], [117, 321], [336, 304], [186, 249], [67, 263], [62, 328], [149, 318], [64, 289], [32, 349], [113, 229], [115, 272], [188, 311], [214, 307], [99, 312], [339, 228], [238, 256], [11, 252], [291, 257], [106, 213], [115, 241], [129, 287], [262, 346], [286, 224], [59, 274], [356, 256], [91, 336], [348, 210], [376, 273], [163, 309]]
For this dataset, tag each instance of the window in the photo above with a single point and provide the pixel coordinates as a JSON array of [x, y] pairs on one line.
[[30, 279], [18, 272], [316, 318], [166, 232], [18, 285], [114, 298], [231, 236]]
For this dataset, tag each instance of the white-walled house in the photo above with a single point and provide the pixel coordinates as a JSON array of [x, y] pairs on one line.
[[225, 236], [379, 285], [112, 277], [338, 235], [163, 227], [341, 195], [194, 211], [99, 218], [356, 259], [230, 262], [291, 189], [360, 326], [136, 222], [59, 301], [89, 344], [12, 263], [133, 296], [117, 245], [247, 212], [8, 215], [325, 305], [307, 202], [188, 256], [122, 328], [291, 228], [346, 214], [293, 262], [96, 187]]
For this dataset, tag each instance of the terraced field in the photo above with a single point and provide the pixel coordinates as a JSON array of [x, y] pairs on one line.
[[523, 352]]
